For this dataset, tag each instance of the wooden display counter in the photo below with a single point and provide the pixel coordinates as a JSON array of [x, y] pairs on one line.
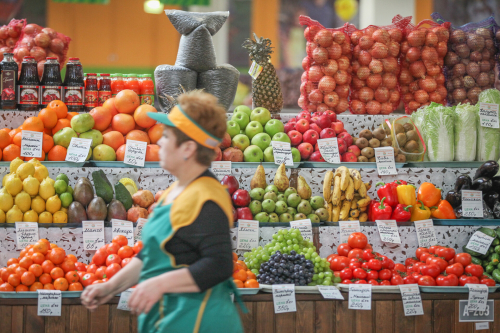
[[314, 314]]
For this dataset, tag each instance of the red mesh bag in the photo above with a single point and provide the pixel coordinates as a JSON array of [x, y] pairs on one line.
[[422, 79], [9, 35], [327, 68], [470, 61], [374, 87]]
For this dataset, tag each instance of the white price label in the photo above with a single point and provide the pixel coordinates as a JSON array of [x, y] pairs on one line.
[[49, 302], [248, 234], [31, 144], [282, 152], [347, 228], [124, 228], [305, 228], [284, 298], [255, 70], [488, 115], [384, 156], [138, 229], [93, 235], [329, 149], [123, 302], [26, 233], [388, 231], [482, 326], [330, 292], [135, 152], [472, 203], [221, 168], [479, 242], [360, 297], [425, 233], [78, 150], [412, 302], [478, 297]]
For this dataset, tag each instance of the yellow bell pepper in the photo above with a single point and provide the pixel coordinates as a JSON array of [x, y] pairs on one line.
[[406, 195], [421, 212]]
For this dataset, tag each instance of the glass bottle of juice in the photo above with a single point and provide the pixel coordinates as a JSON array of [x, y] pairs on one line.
[[51, 85], [74, 85], [104, 89], [147, 94], [8, 81], [91, 92], [29, 85], [98, 80], [117, 84], [132, 83], [85, 80]]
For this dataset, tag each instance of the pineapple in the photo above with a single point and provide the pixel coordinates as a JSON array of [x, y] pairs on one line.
[[266, 89]]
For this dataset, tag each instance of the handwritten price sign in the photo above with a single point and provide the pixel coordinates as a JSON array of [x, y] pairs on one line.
[[124, 228], [27, 233], [78, 150], [284, 298], [425, 233], [31, 144], [248, 234], [93, 235], [488, 115], [384, 156], [282, 152], [472, 203], [329, 149], [135, 153], [49, 302]]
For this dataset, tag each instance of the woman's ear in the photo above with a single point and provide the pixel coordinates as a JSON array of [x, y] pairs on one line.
[[189, 149]]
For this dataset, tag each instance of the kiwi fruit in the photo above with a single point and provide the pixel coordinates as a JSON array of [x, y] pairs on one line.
[[401, 138], [400, 158], [362, 158], [374, 143], [379, 134], [387, 131], [408, 127], [368, 152], [372, 159], [396, 151], [398, 128], [361, 143], [411, 135], [387, 142], [411, 145], [367, 134]]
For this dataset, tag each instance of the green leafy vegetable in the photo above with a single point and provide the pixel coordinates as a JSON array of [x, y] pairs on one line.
[[465, 132], [439, 130], [418, 119], [488, 139]]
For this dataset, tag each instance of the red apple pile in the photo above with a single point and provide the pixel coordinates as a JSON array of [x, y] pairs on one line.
[[241, 198]]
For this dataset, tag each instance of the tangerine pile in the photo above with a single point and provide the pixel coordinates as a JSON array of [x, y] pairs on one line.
[[242, 276]]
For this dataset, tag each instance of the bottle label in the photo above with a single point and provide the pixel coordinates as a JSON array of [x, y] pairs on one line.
[[27, 95], [147, 99], [104, 96], [49, 94], [8, 85], [91, 98], [73, 95]]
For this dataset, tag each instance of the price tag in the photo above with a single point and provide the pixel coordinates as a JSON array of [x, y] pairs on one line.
[[31, 144], [255, 70], [282, 152], [248, 234], [425, 233], [93, 235], [330, 292], [478, 297], [49, 302], [26, 233], [482, 326], [329, 149], [360, 297], [135, 153], [78, 150], [472, 203], [347, 228], [221, 168], [412, 302], [124, 228], [284, 298], [138, 229], [384, 156], [466, 315], [305, 228], [488, 115], [479, 242], [123, 302], [388, 230]]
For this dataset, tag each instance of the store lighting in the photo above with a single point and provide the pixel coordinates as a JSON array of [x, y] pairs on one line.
[[153, 7]]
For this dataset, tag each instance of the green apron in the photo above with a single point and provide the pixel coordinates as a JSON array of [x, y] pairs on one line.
[[209, 311]]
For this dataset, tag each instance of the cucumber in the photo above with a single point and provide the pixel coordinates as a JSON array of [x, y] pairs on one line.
[[476, 261], [472, 253], [496, 275], [488, 231], [495, 259], [489, 268], [497, 249], [491, 250], [495, 242]]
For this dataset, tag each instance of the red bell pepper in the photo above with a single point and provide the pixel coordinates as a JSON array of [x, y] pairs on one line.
[[372, 205], [381, 211], [389, 192], [401, 213]]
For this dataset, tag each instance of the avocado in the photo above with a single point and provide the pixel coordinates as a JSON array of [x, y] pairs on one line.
[[123, 196], [116, 210], [103, 187], [83, 193], [97, 210], [76, 213]]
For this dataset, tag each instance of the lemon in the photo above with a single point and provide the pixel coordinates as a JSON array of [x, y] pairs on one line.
[[46, 189], [30, 216], [14, 185], [6, 200], [23, 201], [25, 170], [51, 181], [31, 185], [45, 217], [53, 204], [60, 217], [2, 216], [41, 172], [4, 179], [15, 164], [63, 209], [14, 215], [38, 204], [34, 161]]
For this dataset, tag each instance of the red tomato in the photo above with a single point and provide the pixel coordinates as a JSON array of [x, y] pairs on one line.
[[101, 273], [357, 240], [81, 267], [368, 254], [440, 262], [138, 247], [354, 264], [385, 283], [375, 264], [360, 282], [431, 270], [464, 279], [416, 275], [418, 266], [451, 262], [372, 275], [400, 268], [420, 251], [346, 281], [426, 280], [346, 273], [464, 258], [98, 281], [120, 240], [343, 249], [488, 282], [112, 270], [355, 253], [445, 252], [339, 263], [359, 273], [373, 282], [409, 279], [474, 270], [125, 262], [385, 274], [112, 248], [365, 265], [92, 268], [113, 259], [433, 248], [330, 257], [448, 280], [80, 275], [457, 269], [387, 263], [410, 262], [99, 257], [397, 280], [88, 279], [424, 256], [126, 252], [336, 273]]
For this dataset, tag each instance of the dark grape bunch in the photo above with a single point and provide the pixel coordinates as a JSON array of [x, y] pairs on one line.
[[285, 268]]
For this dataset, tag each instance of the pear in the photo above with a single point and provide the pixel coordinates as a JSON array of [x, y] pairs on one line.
[[259, 178], [303, 189], [280, 179]]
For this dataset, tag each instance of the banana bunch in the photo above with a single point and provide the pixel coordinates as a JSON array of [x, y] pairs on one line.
[[349, 199]]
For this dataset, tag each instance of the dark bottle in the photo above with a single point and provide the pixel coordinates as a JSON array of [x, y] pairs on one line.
[[8, 81], [51, 85], [73, 89], [104, 89], [91, 92], [29, 85]]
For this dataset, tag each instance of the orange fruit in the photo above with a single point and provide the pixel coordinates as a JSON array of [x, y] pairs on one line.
[[71, 115], [114, 139], [47, 131], [45, 278], [48, 117], [6, 287], [59, 108], [240, 275], [76, 286], [123, 123], [61, 284], [137, 127], [26, 262], [61, 123], [41, 247], [250, 275], [242, 263], [11, 152], [252, 283], [12, 261], [48, 286], [155, 132], [141, 116], [38, 258], [138, 135], [17, 139], [56, 273], [14, 280], [152, 153], [36, 269], [235, 257], [5, 139], [48, 143], [126, 101], [21, 288], [238, 284], [6, 130], [34, 124], [110, 106], [52, 245], [120, 240], [72, 277], [14, 132], [57, 153], [35, 286], [109, 129], [71, 257], [68, 266], [28, 278], [102, 118], [57, 255], [120, 152]]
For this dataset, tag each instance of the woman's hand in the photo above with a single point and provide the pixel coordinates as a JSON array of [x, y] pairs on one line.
[[145, 295], [95, 295]]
